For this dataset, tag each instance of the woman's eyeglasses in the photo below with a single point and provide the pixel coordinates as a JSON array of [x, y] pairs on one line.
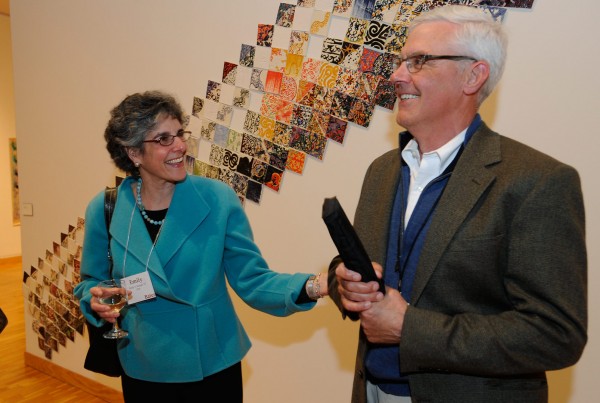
[[167, 139]]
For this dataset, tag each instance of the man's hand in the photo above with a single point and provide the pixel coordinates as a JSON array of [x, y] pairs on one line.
[[356, 296]]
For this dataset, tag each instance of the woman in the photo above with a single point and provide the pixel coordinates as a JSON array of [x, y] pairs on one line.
[[191, 236]]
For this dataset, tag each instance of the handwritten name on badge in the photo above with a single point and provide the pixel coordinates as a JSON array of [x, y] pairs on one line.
[[139, 286]]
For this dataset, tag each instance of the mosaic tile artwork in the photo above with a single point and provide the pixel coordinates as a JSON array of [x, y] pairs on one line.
[[48, 289], [289, 104]]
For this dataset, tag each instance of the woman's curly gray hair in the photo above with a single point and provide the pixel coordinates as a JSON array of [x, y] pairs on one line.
[[132, 119]]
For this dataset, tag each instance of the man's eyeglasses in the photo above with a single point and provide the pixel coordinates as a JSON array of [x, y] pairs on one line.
[[167, 139], [414, 64]]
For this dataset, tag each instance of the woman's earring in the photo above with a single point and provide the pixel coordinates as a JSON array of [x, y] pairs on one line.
[[137, 164]]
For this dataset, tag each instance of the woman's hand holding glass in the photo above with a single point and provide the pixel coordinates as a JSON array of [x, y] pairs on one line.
[[108, 299]]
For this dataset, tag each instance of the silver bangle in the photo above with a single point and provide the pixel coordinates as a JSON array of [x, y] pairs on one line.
[[310, 288]]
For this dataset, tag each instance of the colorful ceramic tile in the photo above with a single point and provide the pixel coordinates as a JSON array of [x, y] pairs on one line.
[[218, 112], [207, 130], [247, 55], [258, 79], [368, 59], [305, 95], [293, 66], [310, 3], [244, 166], [239, 183], [397, 38], [230, 159], [310, 69], [264, 36], [351, 53], [289, 88], [385, 10], [278, 59], [273, 178], [258, 171], [343, 8], [497, 13], [383, 65], [197, 106], [213, 90], [201, 168], [363, 9], [385, 95], [266, 128], [336, 129], [224, 114], [298, 43], [192, 146], [285, 15], [229, 70], [277, 154], [328, 75], [357, 30], [221, 135], [273, 81], [366, 87], [332, 50], [298, 139], [311, 143], [508, 3], [320, 22], [377, 34], [216, 155], [282, 134], [285, 111], [189, 162], [241, 97], [361, 113], [323, 98], [270, 105], [251, 122], [254, 147], [301, 116], [318, 123], [226, 176], [347, 80], [341, 105], [234, 140], [295, 162], [253, 191]]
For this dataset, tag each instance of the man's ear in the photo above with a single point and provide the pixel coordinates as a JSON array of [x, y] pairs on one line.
[[477, 75]]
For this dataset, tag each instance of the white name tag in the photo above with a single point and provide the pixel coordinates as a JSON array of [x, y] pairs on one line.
[[140, 287]]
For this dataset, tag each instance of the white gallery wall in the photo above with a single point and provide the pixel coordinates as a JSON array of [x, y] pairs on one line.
[[76, 59]]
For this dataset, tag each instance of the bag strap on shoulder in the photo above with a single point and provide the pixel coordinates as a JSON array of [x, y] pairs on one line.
[[110, 199]]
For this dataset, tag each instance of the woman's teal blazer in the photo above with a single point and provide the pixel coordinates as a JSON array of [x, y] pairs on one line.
[[190, 330]]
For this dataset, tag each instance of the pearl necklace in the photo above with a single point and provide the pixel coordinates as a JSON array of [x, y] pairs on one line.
[[138, 201]]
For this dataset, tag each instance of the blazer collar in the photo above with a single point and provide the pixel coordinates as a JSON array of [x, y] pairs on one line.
[[187, 211]]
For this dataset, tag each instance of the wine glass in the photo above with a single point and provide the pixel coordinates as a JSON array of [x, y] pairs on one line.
[[115, 297]]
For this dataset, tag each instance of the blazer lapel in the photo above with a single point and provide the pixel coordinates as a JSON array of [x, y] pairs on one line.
[[187, 210], [466, 185]]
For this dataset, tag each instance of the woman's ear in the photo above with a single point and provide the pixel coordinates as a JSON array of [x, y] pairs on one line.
[[477, 75], [133, 154]]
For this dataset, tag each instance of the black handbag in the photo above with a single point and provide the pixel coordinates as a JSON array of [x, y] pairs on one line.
[[102, 356]]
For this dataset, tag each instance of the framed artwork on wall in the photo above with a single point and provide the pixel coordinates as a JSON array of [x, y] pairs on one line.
[[14, 180]]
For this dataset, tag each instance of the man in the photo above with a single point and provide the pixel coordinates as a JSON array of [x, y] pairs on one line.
[[480, 239]]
